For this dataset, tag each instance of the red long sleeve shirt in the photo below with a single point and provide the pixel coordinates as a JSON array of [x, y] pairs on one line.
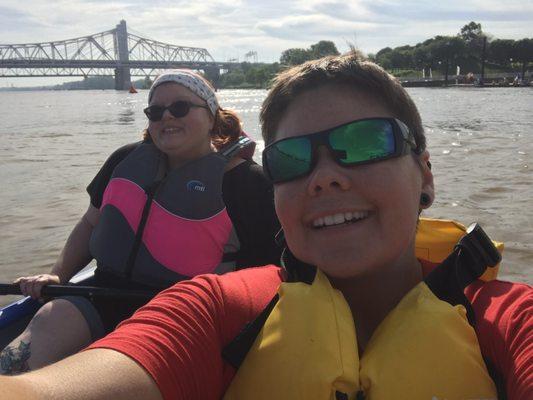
[[179, 336]]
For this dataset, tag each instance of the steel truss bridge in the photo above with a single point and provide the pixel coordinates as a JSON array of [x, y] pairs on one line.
[[114, 52]]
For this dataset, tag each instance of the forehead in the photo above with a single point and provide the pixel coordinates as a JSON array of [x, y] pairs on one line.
[[325, 107], [172, 91]]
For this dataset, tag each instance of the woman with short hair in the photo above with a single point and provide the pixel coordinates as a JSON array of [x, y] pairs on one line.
[[353, 313]]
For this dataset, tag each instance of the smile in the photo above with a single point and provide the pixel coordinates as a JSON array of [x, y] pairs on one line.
[[171, 130], [339, 219]]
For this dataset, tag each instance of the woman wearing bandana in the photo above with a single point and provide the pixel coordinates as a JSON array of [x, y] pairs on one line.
[[186, 200]]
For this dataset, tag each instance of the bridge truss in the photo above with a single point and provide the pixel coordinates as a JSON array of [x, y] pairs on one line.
[[114, 52]]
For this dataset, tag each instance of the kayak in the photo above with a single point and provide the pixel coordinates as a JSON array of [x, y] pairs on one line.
[[15, 316]]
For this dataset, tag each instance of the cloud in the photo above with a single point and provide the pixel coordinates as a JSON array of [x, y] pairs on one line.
[[230, 29], [11, 19]]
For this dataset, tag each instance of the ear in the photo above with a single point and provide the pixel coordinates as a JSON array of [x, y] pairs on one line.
[[427, 185]]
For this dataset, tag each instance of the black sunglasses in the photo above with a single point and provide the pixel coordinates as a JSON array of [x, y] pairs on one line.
[[361, 141], [178, 109]]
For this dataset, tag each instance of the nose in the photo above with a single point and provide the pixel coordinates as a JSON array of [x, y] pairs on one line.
[[166, 114], [327, 174]]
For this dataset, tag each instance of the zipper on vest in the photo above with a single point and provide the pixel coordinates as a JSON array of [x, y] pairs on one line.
[[150, 193]]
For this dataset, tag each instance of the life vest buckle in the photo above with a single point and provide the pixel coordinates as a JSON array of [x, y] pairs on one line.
[[480, 247]]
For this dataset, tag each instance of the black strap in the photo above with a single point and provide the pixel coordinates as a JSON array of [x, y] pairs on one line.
[[235, 352], [469, 260], [150, 192], [235, 147]]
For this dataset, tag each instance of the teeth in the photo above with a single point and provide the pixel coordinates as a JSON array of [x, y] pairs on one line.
[[340, 218], [318, 222], [171, 130]]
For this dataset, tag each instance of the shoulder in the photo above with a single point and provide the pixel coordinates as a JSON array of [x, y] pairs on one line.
[[247, 172], [99, 183], [504, 326], [116, 157], [179, 335], [497, 300], [229, 300], [246, 182], [122, 152]]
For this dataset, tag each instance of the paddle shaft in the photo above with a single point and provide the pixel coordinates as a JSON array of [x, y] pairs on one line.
[[75, 290]]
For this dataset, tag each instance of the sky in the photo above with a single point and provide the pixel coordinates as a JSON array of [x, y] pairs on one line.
[[229, 29]]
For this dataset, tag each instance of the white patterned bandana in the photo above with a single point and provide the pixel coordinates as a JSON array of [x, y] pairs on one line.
[[192, 82]]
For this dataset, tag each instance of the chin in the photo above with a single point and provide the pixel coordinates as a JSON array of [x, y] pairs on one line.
[[345, 271], [336, 264]]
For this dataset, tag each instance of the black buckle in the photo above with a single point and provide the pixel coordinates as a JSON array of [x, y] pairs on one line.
[[480, 247]]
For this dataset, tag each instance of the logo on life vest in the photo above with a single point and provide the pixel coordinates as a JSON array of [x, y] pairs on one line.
[[196, 186]]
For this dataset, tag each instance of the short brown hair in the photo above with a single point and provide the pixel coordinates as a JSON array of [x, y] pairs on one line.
[[350, 70]]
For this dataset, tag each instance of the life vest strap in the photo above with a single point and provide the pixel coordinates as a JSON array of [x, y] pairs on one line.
[[469, 260], [150, 192], [234, 148], [235, 352]]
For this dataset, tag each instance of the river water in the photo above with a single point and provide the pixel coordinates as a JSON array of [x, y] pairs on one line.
[[53, 143]]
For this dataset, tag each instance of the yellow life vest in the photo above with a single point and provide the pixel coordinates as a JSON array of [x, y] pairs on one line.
[[424, 349]]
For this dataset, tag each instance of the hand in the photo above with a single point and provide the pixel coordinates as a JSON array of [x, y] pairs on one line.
[[32, 285]]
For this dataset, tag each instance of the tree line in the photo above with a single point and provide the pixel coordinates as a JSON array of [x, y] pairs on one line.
[[467, 49], [439, 54]]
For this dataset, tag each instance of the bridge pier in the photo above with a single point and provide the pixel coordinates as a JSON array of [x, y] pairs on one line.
[[213, 75], [122, 74]]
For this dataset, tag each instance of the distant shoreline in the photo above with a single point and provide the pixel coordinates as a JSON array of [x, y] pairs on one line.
[[431, 85]]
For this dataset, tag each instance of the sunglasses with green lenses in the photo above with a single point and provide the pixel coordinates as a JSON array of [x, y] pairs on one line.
[[362, 141]]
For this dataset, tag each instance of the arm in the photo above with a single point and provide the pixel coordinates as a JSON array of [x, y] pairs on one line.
[[75, 254], [73, 257], [171, 348], [504, 328], [92, 374]]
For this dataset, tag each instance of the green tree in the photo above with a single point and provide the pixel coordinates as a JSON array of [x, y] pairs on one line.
[[295, 56], [232, 78], [471, 32], [523, 52], [383, 58], [298, 56], [501, 51], [323, 48]]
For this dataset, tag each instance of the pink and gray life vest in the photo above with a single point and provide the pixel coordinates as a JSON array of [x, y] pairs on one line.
[[158, 227]]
